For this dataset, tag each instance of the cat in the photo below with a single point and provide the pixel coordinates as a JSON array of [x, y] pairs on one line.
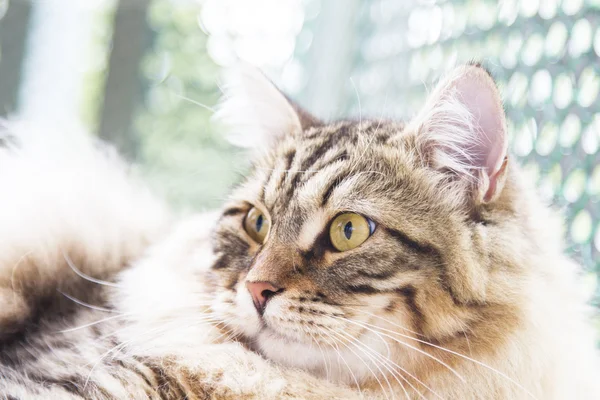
[[74, 215], [358, 259]]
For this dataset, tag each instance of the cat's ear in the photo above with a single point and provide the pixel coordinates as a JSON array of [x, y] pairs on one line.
[[256, 112], [462, 130]]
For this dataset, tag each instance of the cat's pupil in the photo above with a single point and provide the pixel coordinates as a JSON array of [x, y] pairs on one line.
[[259, 223], [348, 230]]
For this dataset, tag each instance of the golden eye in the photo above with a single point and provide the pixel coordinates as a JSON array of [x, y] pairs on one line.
[[257, 225], [350, 230]]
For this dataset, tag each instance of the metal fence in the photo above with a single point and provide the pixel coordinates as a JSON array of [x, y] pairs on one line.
[[545, 57], [153, 93]]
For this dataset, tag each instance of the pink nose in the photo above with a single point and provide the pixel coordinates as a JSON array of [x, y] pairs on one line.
[[261, 292]]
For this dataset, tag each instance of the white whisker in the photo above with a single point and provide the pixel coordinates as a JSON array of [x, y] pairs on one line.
[[340, 357], [386, 320], [85, 276], [459, 355], [360, 346], [93, 323], [84, 304], [388, 361], [362, 360], [313, 339], [14, 270], [446, 350], [364, 325], [194, 102]]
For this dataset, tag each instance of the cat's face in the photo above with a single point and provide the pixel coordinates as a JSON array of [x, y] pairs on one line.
[[353, 243]]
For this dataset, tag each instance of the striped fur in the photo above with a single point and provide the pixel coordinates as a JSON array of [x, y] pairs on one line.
[[461, 292], [73, 216], [464, 275]]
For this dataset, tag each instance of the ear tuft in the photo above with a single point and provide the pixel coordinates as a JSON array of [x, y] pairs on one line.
[[254, 110], [462, 128]]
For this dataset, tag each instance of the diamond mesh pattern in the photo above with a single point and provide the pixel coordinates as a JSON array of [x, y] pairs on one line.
[[544, 56]]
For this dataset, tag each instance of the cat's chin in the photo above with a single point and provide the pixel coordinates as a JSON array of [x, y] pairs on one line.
[[335, 365], [287, 350], [272, 334]]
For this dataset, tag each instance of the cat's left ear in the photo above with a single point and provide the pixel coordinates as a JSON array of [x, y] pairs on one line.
[[256, 112], [462, 130]]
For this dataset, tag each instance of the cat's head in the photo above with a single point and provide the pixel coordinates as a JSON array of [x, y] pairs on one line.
[[355, 240]]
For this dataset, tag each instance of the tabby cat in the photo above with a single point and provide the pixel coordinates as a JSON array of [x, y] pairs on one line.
[[358, 259]]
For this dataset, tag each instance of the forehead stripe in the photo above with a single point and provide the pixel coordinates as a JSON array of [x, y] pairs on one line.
[[327, 144], [289, 161], [332, 185], [265, 184], [341, 156], [317, 154]]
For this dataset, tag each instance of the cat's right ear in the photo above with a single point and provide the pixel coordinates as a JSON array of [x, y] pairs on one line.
[[255, 112], [462, 131]]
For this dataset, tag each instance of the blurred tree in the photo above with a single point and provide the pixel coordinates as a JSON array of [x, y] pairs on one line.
[[130, 40], [179, 149], [14, 24]]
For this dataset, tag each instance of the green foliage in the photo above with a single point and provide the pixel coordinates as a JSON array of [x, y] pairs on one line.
[[180, 150]]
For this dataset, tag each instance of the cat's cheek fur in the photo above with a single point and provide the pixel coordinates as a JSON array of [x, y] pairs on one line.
[[489, 289], [333, 348], [464, 244]]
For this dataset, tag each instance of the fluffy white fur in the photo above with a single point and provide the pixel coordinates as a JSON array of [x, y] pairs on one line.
[[66, 197], [254, 110], [65, 194], [463, 128]]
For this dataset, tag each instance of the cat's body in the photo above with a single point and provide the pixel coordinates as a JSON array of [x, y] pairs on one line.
[[75, 212], [459, 291]]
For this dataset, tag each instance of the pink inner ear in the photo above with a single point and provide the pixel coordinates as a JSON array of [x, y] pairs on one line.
[[480, 95]]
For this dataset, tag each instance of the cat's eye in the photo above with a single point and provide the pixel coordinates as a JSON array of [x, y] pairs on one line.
[[257, 225], [350, 230]]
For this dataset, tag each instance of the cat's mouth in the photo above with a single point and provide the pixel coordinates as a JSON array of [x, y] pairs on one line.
[[271, 330], [279, 328], [270, 338], [282, 321]]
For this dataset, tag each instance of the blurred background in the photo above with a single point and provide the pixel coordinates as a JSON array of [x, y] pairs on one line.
[[145, 75]]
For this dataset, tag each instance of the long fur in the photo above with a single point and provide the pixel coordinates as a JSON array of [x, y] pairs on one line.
[[253, 110], [65, 194], [74, 216], [445, 299]]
